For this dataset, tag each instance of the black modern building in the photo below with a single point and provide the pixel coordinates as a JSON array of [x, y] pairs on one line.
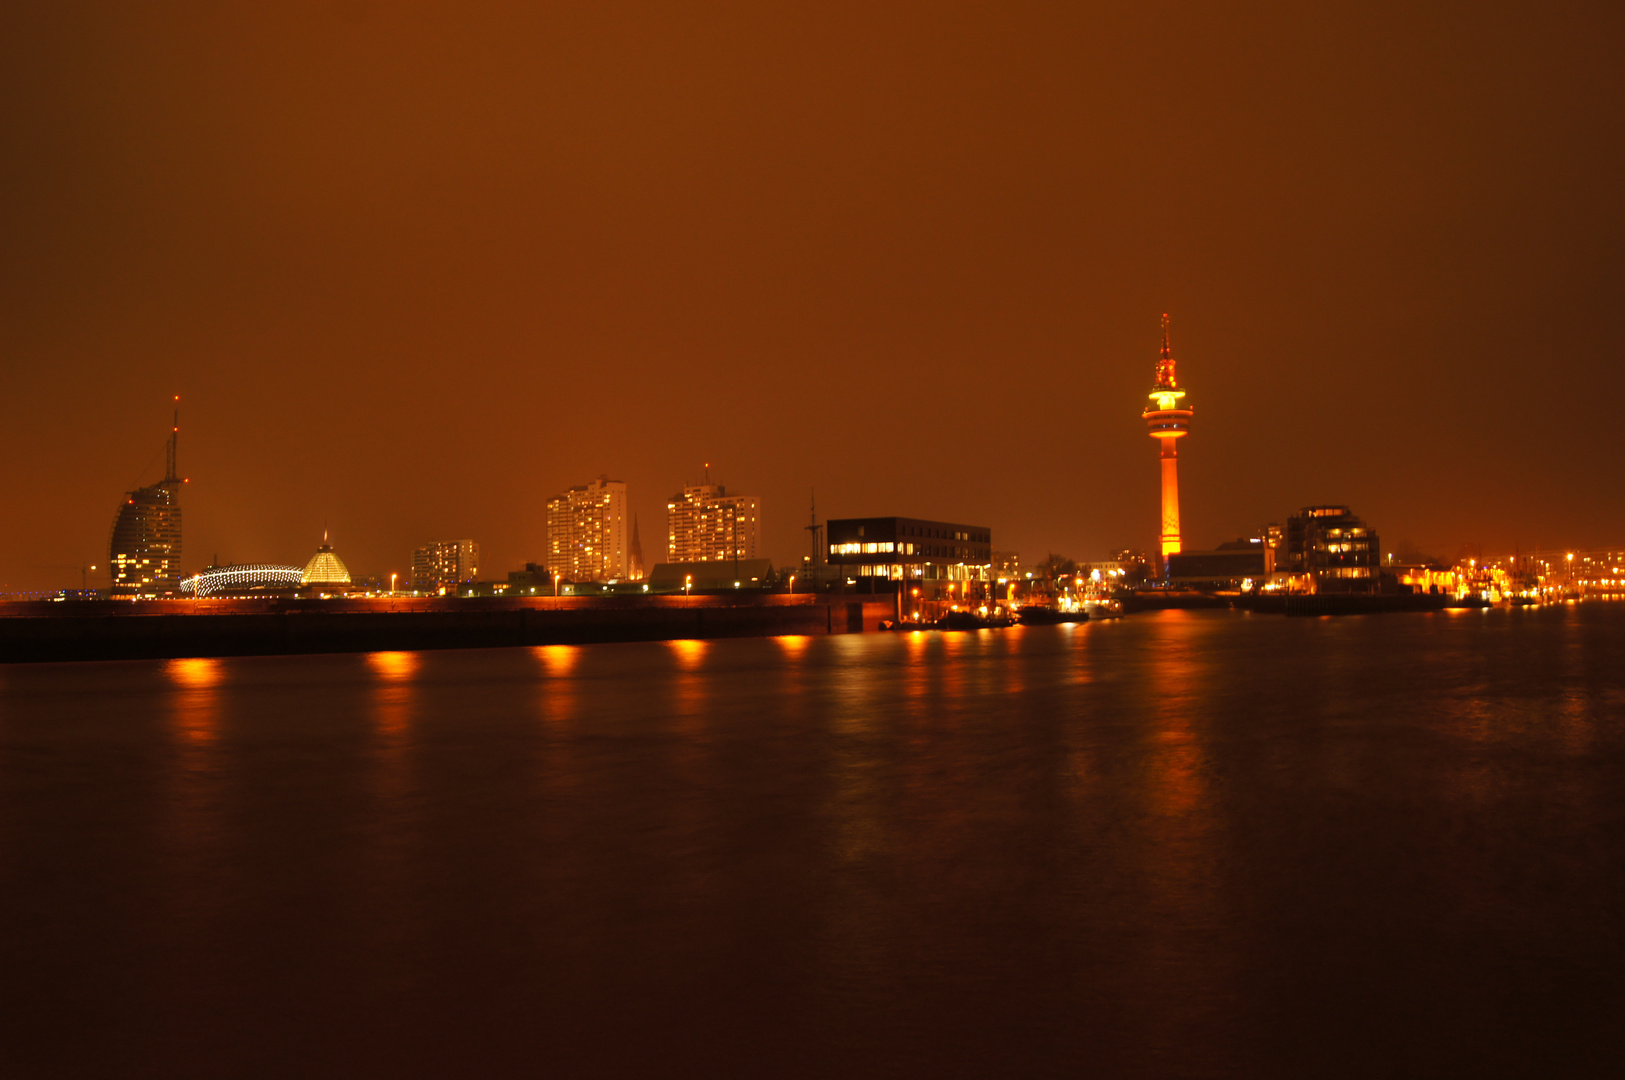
[[1226, 566], [940, 558], [1329, 549]]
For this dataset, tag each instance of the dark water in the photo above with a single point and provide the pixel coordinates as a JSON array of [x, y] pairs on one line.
[[1185, 844]]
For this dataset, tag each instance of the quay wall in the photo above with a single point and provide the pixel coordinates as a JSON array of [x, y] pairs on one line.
[[1313, 604], [123, 630]]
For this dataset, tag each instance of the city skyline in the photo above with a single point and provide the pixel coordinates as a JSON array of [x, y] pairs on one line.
[[402, 268]]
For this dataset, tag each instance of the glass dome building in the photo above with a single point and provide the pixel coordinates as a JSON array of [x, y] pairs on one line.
[[325, 567], [250, 579]]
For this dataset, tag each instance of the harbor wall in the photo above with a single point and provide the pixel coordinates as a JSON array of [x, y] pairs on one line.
[[115, 630]]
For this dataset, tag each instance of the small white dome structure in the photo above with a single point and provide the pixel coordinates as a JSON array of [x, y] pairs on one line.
[[324, 567]]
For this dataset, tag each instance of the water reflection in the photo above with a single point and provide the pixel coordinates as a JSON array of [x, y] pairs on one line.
[[394, 666], [1175, 755], [196, 710], [558, 660], [194, 831], [392, 705], [690, 653], [793, 645], [693, 769], [1265, 845]]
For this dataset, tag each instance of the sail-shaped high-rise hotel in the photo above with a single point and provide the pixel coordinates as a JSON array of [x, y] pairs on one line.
[[145, 550]]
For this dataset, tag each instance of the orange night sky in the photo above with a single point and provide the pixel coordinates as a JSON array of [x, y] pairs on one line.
[[413, 269]]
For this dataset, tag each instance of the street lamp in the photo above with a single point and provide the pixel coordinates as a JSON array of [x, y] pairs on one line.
[[688, 584], [392, 578], [792, 584]]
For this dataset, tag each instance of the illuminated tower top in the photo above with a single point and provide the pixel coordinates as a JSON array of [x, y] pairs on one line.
[[1165, 363], [1165, 391]]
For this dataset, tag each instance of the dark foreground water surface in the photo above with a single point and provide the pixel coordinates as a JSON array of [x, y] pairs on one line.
[[1179, 844]]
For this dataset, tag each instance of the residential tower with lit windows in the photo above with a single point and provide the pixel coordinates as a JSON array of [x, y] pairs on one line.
[[705, 523], [586, 532], [445, 564], [1168, 419]]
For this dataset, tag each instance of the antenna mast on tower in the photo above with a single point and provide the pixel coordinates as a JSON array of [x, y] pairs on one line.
[[171, 476]]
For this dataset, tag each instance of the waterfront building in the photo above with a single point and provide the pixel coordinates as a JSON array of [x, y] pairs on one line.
[[1226, 566], [1168, 419], [704, 524], [246, 580], [711, 576], [939, 558], [1329, 549], [445, 564], [586, 531], [144, 549], [533, 580], [325, 567]]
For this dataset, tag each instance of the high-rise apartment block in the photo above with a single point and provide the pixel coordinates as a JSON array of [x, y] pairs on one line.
[[445, 564], [144, 550], [706, 523], [586, 532]]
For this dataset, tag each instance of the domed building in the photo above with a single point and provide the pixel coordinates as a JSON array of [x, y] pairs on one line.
[[325, 567]]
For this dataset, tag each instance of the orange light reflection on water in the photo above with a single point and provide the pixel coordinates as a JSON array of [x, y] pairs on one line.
[[392, 699], [793, 645], [690, 652], [394, 666], [559, 660], [197, 700]]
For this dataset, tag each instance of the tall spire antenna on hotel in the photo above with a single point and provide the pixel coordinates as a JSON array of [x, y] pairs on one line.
[[170, 462], [1168, 419]]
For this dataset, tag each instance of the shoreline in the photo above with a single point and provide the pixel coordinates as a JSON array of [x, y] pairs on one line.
[[171, 629]]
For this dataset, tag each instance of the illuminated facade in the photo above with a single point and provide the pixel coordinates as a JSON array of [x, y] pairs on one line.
[[931, 555], [246, 580], [586, 532], [144, 550], [1168, 420], [1328, 549], [445, 564], [705, 523], [325, 567]]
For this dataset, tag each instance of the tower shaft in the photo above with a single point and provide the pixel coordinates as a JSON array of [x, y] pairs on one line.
[[1170, 497]]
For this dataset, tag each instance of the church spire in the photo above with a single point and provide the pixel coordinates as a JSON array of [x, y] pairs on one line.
[[634, 553]]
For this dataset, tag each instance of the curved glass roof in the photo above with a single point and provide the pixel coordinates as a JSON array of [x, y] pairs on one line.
[[326, 568]]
